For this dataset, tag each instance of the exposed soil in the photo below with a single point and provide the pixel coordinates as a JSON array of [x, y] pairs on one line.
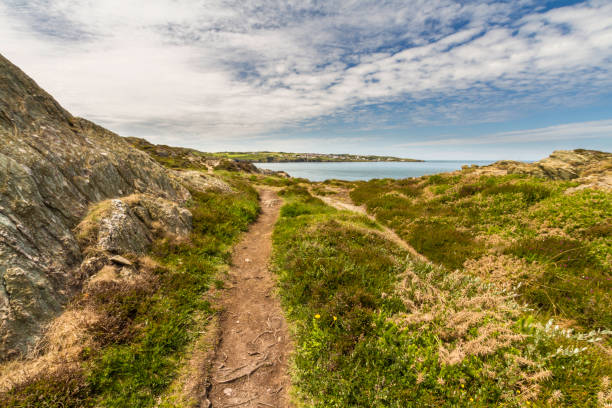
[[250, 364]]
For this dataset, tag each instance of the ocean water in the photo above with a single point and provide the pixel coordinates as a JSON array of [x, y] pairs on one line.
[[314, 171]]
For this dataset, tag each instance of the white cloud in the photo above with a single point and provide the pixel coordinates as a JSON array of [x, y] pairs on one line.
[[192, 71], [572, 131]]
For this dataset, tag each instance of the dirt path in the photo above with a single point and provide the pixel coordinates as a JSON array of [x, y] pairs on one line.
[[250, 364], [387, 233]]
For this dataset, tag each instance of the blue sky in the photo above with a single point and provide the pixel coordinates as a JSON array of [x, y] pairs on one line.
[[433, 79]]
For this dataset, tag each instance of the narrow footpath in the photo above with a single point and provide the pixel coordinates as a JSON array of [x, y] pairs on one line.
[[250, 367]]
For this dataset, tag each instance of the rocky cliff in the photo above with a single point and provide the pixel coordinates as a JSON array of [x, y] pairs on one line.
[[590, 167], [53, 167]]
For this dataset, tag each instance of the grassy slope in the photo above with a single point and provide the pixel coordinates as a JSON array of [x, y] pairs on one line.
[[414, 334], [525, 236], [147, 327], [565, 239]]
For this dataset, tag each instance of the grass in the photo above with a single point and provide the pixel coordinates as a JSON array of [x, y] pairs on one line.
[[145, 327], [374, 328], [331, 280], [452, 219]]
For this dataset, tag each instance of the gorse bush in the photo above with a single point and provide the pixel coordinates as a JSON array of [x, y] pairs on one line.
[[374, 328], [452, 219]]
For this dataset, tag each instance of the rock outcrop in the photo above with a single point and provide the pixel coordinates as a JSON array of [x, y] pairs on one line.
[[53, 167], [181, 157], [590, 167]]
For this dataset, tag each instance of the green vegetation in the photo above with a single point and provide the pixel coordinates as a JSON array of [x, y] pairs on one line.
[[332, 276], [146, 326], [375, 328], [564, 237], [514, 310]]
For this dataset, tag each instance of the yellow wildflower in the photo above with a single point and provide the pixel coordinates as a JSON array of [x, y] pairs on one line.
[[335, 318], [317, 316]]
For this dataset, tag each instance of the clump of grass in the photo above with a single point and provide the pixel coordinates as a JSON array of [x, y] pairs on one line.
[[118, 304], [87, 229], [443, 243], [64, 388], [574, 284]]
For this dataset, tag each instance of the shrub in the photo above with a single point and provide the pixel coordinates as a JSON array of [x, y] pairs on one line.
[[443, 243]]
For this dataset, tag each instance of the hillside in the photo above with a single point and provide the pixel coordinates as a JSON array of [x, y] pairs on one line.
[[92, 231], [53, 167], [174, 156], [140, 275]]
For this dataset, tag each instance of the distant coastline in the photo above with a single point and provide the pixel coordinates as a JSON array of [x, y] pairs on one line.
[[283, 157], [353, 171]]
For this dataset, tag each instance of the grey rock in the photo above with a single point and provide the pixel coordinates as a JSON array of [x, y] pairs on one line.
[[199, 181], [53, 166], [128, 224], [591, 167]]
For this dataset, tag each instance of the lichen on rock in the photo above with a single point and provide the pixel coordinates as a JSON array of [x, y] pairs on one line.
[[53, 168]]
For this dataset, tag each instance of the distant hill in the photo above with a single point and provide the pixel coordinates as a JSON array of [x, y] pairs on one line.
[[179, 155], [282, 157]]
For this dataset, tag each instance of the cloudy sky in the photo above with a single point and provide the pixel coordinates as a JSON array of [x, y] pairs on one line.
[[422, 78]]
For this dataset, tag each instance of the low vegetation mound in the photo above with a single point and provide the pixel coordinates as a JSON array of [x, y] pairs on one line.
[[513, 311]]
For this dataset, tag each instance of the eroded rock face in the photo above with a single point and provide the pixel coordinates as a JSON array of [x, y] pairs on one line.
[[52, 167], [128, 225], [594, 168], [203, 182]]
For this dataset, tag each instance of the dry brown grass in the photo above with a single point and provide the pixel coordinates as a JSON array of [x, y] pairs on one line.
[[86, 231], [90, 321], [604, 396], [147, 264], [472, 317], [108, 273], [502, 270], [58, 351]]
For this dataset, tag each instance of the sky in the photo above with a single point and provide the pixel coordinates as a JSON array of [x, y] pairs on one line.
[[429, 79]]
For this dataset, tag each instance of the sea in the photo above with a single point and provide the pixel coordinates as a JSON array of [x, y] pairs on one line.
[[317, 171]]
